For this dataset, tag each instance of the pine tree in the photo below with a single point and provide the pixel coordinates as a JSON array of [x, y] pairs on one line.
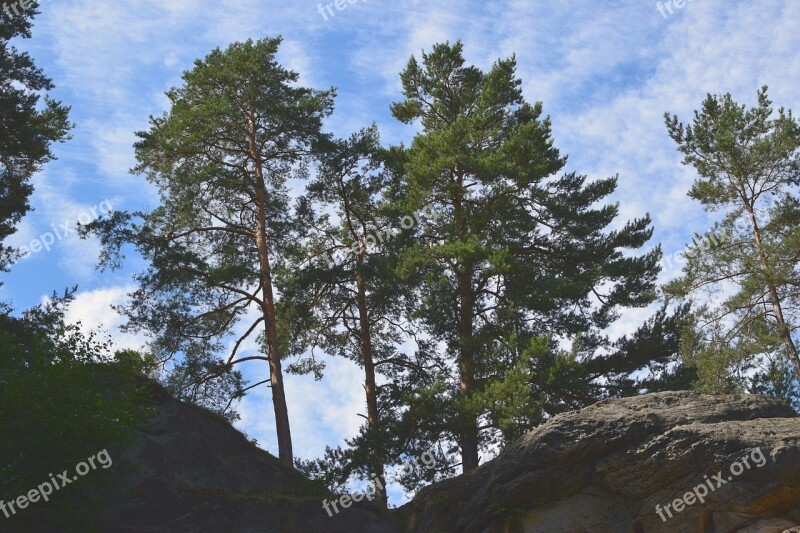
[[238, 129], [27, 130], [748, 162], [342, 291], [520, 252]]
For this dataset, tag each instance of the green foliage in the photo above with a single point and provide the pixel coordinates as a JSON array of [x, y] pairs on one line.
[[517, 261], [740, 154], [238, 129], [748, 161], [522, 252], [330, 472], [203, 380], [62, 400], [137, 362], [28, 125], [775, 378], [509, 402], [320, 280], [754, 363], [342, 291]]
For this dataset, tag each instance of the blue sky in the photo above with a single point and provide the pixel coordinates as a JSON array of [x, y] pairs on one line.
[[605, 71]]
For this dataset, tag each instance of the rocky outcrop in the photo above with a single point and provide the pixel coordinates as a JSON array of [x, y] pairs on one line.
[[190, 471], [606, 468], [637, 465]]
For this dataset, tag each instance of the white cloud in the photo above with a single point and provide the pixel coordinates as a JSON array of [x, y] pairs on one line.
[[94, 311], [321, 412]]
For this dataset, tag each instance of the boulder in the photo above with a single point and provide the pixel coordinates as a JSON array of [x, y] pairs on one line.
[[636, 465]]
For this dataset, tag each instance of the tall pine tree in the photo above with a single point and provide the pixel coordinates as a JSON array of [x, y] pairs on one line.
[[522, 252], [343, 291], [748, 162], [238, 129]]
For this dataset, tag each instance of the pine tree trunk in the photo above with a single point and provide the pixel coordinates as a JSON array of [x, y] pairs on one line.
[[466, 363], [777, 308], [282, 428], [466, 366], [371, 390]]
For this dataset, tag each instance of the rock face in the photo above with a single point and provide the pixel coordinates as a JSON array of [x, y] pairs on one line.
[[606, 468], [600, 470], [191, 471]]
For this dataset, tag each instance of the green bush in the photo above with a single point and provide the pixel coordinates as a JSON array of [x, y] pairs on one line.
[[63, 398]]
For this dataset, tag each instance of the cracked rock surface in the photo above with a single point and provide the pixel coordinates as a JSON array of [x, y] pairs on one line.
[[605, 468]]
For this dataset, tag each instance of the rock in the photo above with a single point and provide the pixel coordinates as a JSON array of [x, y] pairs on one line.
[[602, 469], [606, 467], [193, 472]]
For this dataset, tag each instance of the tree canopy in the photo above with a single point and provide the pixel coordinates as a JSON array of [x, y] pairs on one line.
[[748, 163], [27, 129], [524, 251]]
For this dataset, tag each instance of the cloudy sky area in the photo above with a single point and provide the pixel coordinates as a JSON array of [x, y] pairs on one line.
[[605, 71]]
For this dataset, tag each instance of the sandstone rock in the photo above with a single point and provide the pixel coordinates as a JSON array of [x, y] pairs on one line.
[[191, 471], [606, 467], [599, 470]]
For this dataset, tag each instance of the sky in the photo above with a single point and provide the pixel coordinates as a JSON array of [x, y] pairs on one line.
[[606, 72]]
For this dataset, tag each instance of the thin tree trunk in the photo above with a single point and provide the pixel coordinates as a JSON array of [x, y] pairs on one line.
[[466, 362], [466, 367], [370, 388], [282, 428], [284, 433], [783, 327]]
